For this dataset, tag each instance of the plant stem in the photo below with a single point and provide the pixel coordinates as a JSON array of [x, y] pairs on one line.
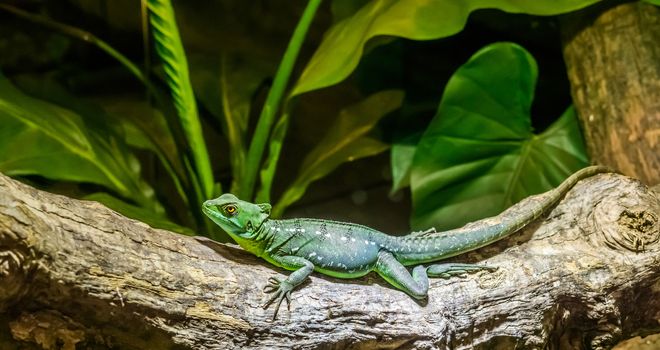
[[273, 101], [78, 34]]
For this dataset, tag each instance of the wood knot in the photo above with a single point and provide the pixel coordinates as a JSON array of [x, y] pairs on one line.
[[640, 228], [628, 224]]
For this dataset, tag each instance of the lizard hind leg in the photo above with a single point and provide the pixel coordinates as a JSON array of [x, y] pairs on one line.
[[416, 285], [454, 269]]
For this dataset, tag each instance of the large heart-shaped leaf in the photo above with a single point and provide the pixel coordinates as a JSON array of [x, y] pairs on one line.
[[343, 44], [345, 141], [479, 155], [41, 138]]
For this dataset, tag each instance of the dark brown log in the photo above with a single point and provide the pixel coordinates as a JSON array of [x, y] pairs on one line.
[[74, 273], [612, 55]]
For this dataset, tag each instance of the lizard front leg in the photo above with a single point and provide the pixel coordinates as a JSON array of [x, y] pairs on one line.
[[281, 289]]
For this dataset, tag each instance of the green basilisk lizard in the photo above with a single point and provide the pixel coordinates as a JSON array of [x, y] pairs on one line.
[[347, 250]]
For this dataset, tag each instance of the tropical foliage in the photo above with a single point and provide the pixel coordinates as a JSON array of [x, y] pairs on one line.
[[479, 150]]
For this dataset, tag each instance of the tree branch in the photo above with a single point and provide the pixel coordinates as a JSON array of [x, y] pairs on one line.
[[74, 272], [611, 54]]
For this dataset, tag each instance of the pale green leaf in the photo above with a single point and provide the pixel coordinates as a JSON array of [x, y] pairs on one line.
[[401, 158], [267, 173], [359, 148], [343, 44], [342, 9], [344, 141]]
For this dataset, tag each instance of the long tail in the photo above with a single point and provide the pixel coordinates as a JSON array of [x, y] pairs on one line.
[[474, 235]]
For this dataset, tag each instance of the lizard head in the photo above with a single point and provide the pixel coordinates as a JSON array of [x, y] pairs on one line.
[[240, 219]]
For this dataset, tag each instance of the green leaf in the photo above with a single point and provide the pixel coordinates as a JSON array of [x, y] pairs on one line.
[[344, 42], [273, 101], [140, 125], [345, 141], [479, 155], [401, 159], [131, 211], [342, 9], [170, 49], [226, 87], [41, 138], [147, 129], [653, 2], [267, 173], [359, 148]]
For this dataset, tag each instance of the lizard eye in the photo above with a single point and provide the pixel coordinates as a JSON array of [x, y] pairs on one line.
[[230, 209]]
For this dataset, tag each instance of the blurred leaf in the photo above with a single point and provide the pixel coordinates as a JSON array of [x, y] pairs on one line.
[[138, 213], [78, 34], [359, 148], [226, 87], [267, 173], [40, 138], [273, 102], [343, 44], [138, 124], [152, 126], [170, 49], [401, 159], [344, 141], [479, 155], [653, 2], [149, 131], [342, 9]]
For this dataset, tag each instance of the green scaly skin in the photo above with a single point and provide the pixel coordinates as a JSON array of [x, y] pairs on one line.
[[346, 250]]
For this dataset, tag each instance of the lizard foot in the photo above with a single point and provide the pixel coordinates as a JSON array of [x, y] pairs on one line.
[[282, 290]]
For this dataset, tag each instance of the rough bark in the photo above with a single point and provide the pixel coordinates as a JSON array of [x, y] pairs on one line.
[[613, 62], [74, 273]]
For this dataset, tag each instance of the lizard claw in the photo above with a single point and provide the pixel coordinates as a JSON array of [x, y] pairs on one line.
[[273, 285], [281, 290]]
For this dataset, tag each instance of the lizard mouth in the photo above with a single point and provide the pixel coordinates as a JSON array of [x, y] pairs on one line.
[[214, 215], [208, 211]]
